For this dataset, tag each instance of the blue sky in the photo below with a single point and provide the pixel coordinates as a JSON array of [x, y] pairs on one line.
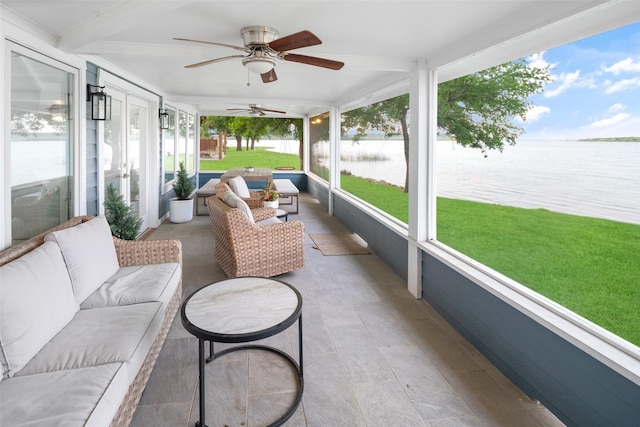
[[595, 90]]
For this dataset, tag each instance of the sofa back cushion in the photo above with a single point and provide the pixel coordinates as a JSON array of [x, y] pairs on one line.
[[234, 201], [36, 302], [239, 186], [89, 253]]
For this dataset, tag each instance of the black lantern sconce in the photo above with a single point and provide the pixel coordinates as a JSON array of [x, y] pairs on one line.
[[100, 102], [164, 119]]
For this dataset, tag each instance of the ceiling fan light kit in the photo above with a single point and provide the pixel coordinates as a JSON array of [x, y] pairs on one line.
[[259, 63]]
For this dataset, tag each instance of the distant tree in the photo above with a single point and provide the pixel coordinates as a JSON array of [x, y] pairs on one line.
[[476, 110], [253, 129]]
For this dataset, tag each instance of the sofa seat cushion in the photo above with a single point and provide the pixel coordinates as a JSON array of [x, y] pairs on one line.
[[136, 284], [79, 397], [89, 253], [101, 335], [36, 302]]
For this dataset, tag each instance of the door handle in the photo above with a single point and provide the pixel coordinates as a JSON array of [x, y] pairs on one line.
[[126, 175]]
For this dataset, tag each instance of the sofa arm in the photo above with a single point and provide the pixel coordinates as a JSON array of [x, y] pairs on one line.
[[142, 252]]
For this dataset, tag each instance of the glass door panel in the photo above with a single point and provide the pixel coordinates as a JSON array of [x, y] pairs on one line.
[[41, 146]]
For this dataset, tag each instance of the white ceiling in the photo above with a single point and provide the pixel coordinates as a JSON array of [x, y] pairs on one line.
[[379, 41]]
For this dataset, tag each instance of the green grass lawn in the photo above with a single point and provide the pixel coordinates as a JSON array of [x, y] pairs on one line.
[[588, 265], [258, 158]]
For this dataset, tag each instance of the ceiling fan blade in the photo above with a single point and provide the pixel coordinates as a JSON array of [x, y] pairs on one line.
[[312, 60], [273, 111], [238, 109], [244, 49], [294, 41], [269, 76], [211, 61]]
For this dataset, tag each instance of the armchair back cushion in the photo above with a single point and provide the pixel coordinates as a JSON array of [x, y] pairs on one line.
[[36, 302], [234, 201], [90, 255], [239, 186]]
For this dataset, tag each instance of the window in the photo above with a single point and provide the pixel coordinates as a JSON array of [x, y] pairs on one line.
[[169, 148], [319, 145], [554, 212], [190, 162], [41, 143], [179, 144], [372, 160]]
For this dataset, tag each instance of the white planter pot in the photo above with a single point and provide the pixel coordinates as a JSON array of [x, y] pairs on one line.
[[273, 204], [180, 210]]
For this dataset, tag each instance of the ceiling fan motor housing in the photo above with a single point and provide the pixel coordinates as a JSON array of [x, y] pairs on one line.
[[258, 35]]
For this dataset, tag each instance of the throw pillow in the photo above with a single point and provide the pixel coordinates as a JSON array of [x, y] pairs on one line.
[[36, 302], [221, 190], [239, 186], [234, 201], [244, 208], [89, 253], [231, 199]]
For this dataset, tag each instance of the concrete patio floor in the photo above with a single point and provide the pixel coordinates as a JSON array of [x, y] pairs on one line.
[[373, 354]]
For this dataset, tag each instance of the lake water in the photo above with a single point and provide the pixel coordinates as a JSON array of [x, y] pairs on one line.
[[597, 179]]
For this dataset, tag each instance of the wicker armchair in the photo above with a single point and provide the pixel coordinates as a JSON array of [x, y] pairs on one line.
[[243, 248]]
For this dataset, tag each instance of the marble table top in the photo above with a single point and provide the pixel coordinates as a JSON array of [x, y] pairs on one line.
[[242, 305]]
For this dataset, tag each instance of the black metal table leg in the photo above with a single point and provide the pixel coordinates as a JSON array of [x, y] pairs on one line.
[[201, 362]]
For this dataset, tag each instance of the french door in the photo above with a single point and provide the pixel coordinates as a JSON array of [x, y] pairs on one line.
[[124, 147]]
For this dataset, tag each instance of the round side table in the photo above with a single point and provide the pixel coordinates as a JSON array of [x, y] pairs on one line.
[[242, 310]]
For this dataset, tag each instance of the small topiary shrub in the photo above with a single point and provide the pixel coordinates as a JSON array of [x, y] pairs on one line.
[[123, 221], [183, 187]]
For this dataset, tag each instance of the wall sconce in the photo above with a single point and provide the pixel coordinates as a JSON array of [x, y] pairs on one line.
[[164, 119], [100, 102]]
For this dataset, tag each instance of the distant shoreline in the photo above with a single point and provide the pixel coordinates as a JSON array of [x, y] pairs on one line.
[[616, 139]]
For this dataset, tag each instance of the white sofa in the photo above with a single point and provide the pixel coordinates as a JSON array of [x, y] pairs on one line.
[[82, 318]]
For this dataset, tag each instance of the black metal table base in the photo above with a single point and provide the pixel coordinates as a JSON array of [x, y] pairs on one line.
[[213, 356]]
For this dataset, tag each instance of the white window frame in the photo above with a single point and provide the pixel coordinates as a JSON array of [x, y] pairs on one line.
[[16, 40]]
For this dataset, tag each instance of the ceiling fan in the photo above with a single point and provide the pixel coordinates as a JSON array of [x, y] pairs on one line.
[[256, 110], [263, 49]]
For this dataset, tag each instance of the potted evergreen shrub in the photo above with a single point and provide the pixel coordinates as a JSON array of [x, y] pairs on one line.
[[123, 221], [181, 207]]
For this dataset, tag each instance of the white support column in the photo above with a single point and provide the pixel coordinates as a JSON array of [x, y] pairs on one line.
[[306, 149], [423, 108], [334, 153]]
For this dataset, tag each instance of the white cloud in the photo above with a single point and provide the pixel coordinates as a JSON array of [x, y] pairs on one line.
[[537, 61], [536, 112], [625, 65], [617, 107], [566, 81], [623, 84], [609, 122]]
